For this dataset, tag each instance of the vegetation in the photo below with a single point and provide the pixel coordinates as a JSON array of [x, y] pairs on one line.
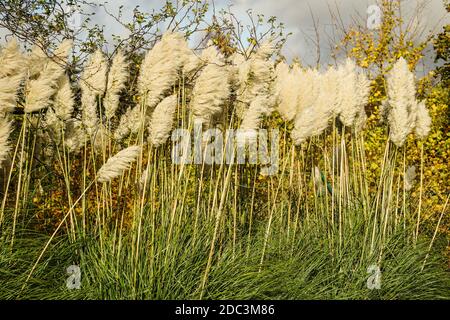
[[356, 209]]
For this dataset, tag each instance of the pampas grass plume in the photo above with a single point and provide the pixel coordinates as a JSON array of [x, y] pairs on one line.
[[12, 61], [286, 91], [162, 121], [64, 99], [8, 92], [116, 165], [160, 68], [92, 83], [40, 90], [117, 78], [210, 92], [5, 130], [401, 101], [423, 122], [130, 122]]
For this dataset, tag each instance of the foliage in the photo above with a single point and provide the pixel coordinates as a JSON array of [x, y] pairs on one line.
[[376, 51], [219, 231]]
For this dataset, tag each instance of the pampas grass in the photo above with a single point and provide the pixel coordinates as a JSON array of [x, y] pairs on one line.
[[116, 165], [260, 78], [63, 106], [130, 123], [64, 101], [93, 85], [36, 61], [74, 135], [12, 73], [423, 121], [309, 122], [162, 121], [253, 116], [40, 90], [210, 55], [401, 102], [118, 75], [309, 87], [9, 87], [11, 60], [361, 96], [210, 92], [349, 104], [160, 68], [167, 230], [5, 130], [286, 91]]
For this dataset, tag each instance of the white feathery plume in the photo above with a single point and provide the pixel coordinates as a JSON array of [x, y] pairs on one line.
[[100, 138], [94, 73], [328, 100], [402, 103], [261, 73], [423, 122], [185, 58], [62, 108], [116, 165], [130, 122], [266, 50], [12, 73], [53, 125], [410, 176], [93, 84], [210, 92], [235, 61], [309, 122], [348, 108], [309, 87], [212, 55], [192, 64], [162, 119], [64, 101], [39, 91], [36, 61], [253, 116], [362, 95], [256, 79], [243, 66], [8, 92], [74, 135], [118, 75], [38, 58], [5, 130], [160, 69], [314, 118], [12, 61], [286, 91], [123, 129]]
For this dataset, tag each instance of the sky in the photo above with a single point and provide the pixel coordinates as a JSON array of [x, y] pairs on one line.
[[297, 17]]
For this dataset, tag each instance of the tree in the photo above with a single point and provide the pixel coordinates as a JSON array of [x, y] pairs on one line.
[[442, 48], [46, 22]]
